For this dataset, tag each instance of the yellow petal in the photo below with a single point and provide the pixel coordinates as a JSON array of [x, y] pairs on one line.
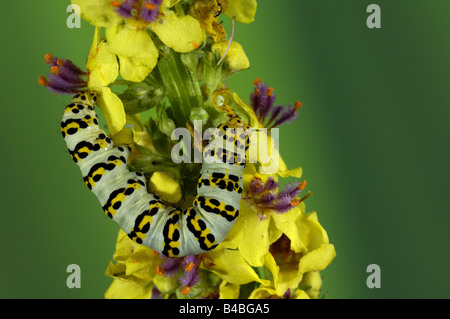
[[313, 280], [318, 235], [137, 53], [262, 293], [284, 172], [236, 58], [291, 223], [183, 34], [228, 291], [300, 294], [125, 289], [123, 137], [243, 10], [254, 243], [165, 186], [136, 69], [112, 108], [165, 284], [98, 12], [230, 266], [283, 280], [101, 64], [317, 259], [241, 104]]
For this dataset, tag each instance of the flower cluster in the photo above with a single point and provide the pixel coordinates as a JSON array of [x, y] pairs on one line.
[[174, 57]]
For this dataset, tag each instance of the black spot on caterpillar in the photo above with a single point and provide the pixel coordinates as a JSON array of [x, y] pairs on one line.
[[143, 216]]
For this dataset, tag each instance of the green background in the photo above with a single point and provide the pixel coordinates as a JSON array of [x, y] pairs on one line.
[[372, 138]]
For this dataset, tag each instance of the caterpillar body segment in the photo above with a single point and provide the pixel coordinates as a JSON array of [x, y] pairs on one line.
[[143, 216]]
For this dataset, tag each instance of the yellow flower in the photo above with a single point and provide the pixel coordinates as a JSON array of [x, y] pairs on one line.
[[242, 10], [133, 271], [304, 247], [264, 292], [236, 58], [135, 49], [229, 265], [208, 12], [103, 69], [180, 32]]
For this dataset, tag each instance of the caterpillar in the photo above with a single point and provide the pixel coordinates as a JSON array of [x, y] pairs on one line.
[[125, 199]]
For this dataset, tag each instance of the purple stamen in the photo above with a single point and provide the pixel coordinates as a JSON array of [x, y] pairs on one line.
[[268, 199], [286, 117], [148, 13], [262, 101], [171, 266], [58, 84], [291, 190], [256, 186], [192, 275], [125, 8], [70, 74], [270, 184], [283, 203], [66, 77]]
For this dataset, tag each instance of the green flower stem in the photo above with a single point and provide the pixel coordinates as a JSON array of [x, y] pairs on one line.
[[182, 89]]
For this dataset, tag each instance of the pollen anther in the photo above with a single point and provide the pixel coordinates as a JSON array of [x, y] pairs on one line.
[[159, 271], [189, 266], [150, 6], [185, 290], [55, 69], [43, 80]]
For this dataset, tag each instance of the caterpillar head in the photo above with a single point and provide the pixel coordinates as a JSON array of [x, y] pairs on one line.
[[86, 97], [236, 122]]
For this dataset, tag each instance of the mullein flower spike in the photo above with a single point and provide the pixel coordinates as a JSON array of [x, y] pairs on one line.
[[175, 56]]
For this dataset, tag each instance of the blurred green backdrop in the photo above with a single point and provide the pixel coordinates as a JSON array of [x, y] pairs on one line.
[[372, 138]]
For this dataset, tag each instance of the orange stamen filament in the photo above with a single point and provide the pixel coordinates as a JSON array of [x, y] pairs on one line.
[[185, 290], [269, 91], [116, 3], [60, 62], [257, 92], [309, 194]]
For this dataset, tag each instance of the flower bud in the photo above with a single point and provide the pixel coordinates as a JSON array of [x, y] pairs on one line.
[[199, 114]]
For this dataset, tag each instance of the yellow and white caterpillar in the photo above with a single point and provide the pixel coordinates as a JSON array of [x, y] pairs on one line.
[[143, 216]]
